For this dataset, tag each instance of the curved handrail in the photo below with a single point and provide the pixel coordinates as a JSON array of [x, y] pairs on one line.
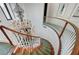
[[76, 46], [1, 28]]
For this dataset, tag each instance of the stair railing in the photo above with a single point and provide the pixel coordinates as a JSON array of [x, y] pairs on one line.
[[65, 25], [25, 39]]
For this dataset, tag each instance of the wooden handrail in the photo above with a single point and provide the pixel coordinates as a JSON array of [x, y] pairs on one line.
[[63, 30], [1, 26], [76, 47], [6, 36], [3, 31]]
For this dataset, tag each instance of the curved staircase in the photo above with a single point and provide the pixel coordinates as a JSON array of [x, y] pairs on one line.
[[67, 32], [21, 47]]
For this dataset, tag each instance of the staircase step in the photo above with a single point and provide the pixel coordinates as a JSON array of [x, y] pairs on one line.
[[39, 52], [44, 52], [34, 53], [20, 51], [46, 49]]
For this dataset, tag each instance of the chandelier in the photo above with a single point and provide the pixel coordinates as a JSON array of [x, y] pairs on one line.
[[22, 25]]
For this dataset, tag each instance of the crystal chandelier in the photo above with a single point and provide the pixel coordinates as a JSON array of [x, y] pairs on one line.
[[24, 26]]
